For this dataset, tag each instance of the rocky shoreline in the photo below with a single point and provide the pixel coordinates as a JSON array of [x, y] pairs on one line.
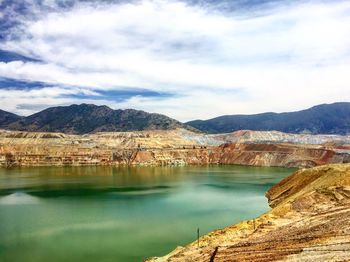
[[310, 221], [176, 147]]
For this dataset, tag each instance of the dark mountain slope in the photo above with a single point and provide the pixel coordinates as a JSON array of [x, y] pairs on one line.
[[6, 118], [84, 118], [321, 119]]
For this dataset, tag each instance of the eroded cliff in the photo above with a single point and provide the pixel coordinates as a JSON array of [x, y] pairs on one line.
[[310, 221], [175, 147]]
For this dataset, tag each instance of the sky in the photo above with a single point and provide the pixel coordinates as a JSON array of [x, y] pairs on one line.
[[194, 59]]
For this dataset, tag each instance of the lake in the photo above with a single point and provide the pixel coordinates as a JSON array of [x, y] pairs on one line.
[[122, 213]]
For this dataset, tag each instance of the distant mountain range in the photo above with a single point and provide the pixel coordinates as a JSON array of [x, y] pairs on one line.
[[7, 118], [85, 118], [321, 119]]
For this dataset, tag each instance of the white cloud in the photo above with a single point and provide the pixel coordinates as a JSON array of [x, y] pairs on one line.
[[214, 62]]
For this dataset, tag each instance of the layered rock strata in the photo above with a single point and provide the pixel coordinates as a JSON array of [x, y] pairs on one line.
[[310, 221], [178, 147]]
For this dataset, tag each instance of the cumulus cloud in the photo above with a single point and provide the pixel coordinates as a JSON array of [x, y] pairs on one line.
[[213, 61]]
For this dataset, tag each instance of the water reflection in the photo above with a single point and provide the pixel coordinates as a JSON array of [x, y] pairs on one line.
[[122, 213]]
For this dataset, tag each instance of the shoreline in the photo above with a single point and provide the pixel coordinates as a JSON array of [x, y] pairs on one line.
[[310, 212]]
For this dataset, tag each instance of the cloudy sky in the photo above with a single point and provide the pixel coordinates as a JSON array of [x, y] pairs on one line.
[[187, 59]]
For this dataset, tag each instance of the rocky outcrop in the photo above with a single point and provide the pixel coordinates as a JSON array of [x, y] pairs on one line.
[[239, 154], [175, 147], [284, 155], [248, 136], [310, 221]]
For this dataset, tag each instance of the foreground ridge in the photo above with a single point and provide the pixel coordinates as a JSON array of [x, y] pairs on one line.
[[310, 221]]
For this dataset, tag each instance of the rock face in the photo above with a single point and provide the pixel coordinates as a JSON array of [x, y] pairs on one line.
[[171, 147], [248, 136], [284, 155], [310, 221]]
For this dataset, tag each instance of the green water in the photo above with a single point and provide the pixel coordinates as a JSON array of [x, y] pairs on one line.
[[119, 213]]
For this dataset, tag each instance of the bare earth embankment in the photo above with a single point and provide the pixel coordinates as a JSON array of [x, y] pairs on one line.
[[172, 147], [310, 221]]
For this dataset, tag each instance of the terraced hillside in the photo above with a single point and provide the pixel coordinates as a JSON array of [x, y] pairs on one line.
[[171, 147]]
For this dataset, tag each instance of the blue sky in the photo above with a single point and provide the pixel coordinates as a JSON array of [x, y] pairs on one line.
[[187, 59]]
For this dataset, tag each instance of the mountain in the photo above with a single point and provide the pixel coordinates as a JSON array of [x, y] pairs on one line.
[[320, 119], [7, 118], [85, 118]]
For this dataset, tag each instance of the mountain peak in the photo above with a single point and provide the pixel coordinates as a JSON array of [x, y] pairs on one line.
[[89, 118], [7, 117], [320, 119]]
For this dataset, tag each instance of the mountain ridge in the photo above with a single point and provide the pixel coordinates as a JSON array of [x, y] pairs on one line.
[[89, 118], [7, 117], [320, 119]]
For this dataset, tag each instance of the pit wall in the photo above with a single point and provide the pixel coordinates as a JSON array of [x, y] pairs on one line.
[[282, 155]]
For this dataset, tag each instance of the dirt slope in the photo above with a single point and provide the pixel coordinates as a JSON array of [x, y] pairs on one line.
[[168, 147], [310, 221]]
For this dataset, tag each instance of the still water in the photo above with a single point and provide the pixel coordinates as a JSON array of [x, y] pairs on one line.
[[122, 213]]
